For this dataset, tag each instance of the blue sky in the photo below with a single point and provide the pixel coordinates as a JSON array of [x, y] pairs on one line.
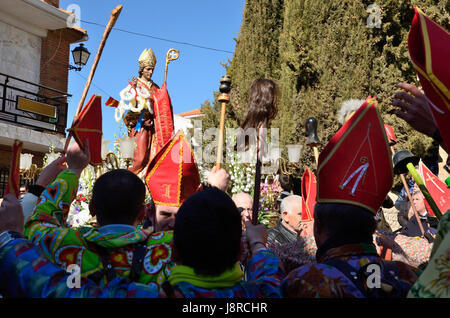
[[191, 79]]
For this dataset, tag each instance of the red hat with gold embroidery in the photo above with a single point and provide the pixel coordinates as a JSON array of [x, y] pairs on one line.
[[429, 49], [355, 167], [309, 190], [173, 174]]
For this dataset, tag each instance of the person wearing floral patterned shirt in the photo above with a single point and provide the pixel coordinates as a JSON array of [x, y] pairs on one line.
[[27, 272], [118, 202]]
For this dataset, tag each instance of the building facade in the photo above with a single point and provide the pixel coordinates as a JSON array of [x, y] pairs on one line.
[[35, 40]]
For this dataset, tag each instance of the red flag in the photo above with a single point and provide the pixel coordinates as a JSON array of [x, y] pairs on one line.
[[88, 125], [13, 185], [164, 126], [438, 189], [111, 102]]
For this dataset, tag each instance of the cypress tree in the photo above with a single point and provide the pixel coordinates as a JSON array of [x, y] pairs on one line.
[[322, 53], [256, 53]]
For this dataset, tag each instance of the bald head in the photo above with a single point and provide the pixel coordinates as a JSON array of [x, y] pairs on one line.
[[291, 212], [242, 197]]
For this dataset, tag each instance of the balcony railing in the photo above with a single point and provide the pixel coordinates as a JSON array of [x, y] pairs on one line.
[[36, 106]]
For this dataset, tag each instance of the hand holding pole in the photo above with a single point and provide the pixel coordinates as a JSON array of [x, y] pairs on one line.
[[404, 161], [392, 141]]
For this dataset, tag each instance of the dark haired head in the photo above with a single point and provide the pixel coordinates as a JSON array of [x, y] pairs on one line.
[[262, 104], [117, 197], [141, 69], [286, 182], [207, 233], [335, 219]]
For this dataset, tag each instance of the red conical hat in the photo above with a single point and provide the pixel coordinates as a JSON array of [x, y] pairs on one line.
[[438, 189], [429, 49], [88, 125], [173, 174], [309, 190], [355, 167]]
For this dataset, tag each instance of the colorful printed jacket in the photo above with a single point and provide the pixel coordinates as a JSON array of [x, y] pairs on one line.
[[325, 281], [26, 272], [264, 276], [435, 279], [64, 246]]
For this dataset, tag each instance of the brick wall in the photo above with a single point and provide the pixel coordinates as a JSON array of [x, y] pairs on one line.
[[54, 66], [54, 3], [55, 60]]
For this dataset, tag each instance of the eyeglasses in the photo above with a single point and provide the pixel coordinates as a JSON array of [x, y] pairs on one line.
[[241, 209]]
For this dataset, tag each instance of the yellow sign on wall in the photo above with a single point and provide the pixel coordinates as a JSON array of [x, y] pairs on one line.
[[33, 106]]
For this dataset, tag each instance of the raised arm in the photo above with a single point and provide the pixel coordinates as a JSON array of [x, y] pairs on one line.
[[264, 270], [47, 225]]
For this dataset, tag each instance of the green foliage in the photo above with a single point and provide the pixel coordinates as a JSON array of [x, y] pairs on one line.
[[322, 53], [256, 54]]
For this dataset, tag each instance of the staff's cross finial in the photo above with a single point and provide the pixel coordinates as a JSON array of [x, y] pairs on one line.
[[173, 54]]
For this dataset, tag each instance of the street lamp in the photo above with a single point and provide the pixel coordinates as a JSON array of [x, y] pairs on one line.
[[28, 170], [109, 157], [127, 146], [294, 152], [80, 56]]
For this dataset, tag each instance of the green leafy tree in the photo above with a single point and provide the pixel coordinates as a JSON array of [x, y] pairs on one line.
[[322, 53]]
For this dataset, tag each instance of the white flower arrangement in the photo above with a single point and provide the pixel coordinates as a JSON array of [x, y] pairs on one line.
[[79, 209]]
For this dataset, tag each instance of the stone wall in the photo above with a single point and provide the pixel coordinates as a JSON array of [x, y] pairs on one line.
[[20, 56]]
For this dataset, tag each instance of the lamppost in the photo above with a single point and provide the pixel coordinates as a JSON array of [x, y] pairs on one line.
[[80, 56], [127, 146], [294, 152], [28, 170]]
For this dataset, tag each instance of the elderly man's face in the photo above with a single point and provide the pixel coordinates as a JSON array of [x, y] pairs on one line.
[[294, 217], [244, 205], [419, 203]]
